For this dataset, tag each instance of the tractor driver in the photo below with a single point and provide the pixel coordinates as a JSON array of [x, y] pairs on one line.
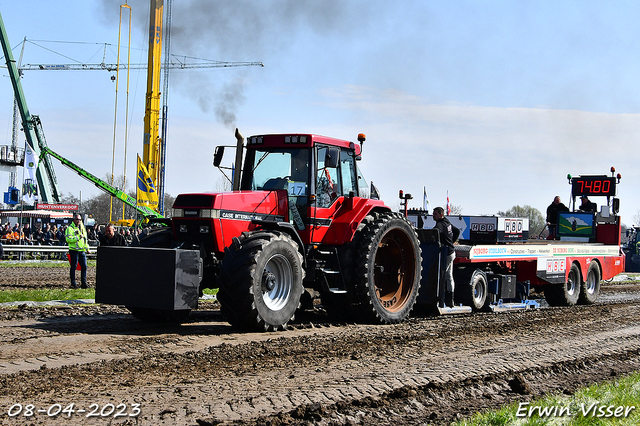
[[300, 166]]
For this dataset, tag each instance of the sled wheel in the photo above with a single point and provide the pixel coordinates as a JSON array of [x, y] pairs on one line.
[[388, 269], [590, 288], [565, 294], [475, 290], [261, 281]]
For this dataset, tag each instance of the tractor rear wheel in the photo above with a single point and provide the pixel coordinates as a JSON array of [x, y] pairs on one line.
[[590, 288], [261, 281], [388, 269]]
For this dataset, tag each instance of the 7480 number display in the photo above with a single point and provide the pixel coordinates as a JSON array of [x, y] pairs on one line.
[[596, 185]]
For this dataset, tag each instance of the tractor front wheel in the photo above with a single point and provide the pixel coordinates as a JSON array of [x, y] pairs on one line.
[[261, 281]]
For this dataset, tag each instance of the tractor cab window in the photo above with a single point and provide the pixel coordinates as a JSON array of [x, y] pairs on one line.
[[328, 185], [348, 173], [279, 169], [363, 185]]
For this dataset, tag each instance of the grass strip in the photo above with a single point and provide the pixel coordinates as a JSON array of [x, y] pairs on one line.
[[45, 295], [608, 403]]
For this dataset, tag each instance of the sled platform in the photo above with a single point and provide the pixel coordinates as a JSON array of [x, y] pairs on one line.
[[455, 310], [514, 306]]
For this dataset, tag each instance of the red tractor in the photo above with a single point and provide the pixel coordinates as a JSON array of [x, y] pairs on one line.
[[294, 226]]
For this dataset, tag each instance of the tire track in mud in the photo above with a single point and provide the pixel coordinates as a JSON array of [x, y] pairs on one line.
[[426, 369], [203, 371]]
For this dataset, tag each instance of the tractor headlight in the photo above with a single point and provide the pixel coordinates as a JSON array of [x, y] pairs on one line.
[[210, 213]]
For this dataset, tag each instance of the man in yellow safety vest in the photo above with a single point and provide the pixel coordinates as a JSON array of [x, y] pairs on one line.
[[76, 236]]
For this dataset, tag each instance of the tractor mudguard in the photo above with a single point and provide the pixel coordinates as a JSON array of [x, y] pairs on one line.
[[287, 228]]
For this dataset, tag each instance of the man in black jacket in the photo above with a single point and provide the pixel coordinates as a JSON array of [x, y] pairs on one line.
[[552, 216], [111, 238], [587, 206], [446, 231]]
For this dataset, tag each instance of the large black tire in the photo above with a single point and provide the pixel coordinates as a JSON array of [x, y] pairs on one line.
[[472, 289], [261, 281], [565, 294], [590, 287], [388, 269]]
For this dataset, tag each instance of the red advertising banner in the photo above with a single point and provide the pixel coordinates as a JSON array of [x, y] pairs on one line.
[[61, 207]]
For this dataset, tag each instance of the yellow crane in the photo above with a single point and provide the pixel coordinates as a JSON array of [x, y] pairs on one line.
[[151, 138], [154, 146]]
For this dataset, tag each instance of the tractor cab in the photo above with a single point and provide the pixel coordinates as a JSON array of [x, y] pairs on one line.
[[317, 175]]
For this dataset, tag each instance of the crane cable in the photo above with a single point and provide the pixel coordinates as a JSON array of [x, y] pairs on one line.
[[115, 115], [126, 121]]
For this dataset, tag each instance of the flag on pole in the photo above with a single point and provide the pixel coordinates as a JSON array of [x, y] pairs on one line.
[[425, 199], [29, 187], [374, 194], [29, 192], [146, 190], [448, 205], [30, 162]]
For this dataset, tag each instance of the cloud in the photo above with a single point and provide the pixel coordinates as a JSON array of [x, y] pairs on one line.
[[489, 158]]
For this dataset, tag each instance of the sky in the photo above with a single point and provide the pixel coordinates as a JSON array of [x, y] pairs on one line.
[[491, 102]]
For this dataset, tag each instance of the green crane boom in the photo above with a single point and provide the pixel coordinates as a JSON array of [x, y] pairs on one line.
[[146, 212]]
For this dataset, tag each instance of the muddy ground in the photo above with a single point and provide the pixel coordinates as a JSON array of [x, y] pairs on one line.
[[428, 370]]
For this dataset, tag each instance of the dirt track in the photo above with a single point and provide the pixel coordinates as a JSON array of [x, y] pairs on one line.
[[427, 370]]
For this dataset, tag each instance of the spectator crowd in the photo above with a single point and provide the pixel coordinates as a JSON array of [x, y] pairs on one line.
[[54, 235]]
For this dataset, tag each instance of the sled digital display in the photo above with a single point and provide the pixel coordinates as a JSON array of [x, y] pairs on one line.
[[593, 185]]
